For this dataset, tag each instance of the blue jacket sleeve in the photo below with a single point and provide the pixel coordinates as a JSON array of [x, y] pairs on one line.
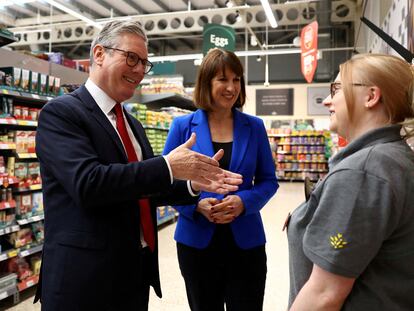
[[265, 181], [177, 136]]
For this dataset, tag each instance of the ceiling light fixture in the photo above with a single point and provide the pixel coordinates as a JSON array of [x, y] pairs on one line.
[[18, 2], [64, 8], [253, 40], [238, 17], [269, 14]]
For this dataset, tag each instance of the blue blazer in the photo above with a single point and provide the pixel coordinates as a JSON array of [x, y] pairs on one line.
[[251, 157], [91, 254]]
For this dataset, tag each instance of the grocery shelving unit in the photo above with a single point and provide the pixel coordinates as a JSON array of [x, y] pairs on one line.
[[299, 154], [157, 125], [18, 222]]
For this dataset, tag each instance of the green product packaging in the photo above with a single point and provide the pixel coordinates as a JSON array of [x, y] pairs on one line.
[[25, 82], [43, 84], [34, 82]]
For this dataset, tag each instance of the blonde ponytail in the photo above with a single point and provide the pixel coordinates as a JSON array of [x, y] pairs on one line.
[[408, 124]]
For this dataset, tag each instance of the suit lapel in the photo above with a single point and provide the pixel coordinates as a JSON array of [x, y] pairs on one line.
[[100, 117], [241, 136], [202, 130]]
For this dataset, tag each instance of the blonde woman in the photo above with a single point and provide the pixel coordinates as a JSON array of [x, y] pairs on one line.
[[352, 243]]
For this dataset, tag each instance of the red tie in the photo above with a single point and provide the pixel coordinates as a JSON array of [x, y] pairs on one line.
[[144, 204]]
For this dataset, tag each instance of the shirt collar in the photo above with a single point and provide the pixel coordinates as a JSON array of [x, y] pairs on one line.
[[381, 135], [102, 99]]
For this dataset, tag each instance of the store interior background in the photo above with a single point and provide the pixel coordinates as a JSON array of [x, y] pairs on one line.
[[67, 27]]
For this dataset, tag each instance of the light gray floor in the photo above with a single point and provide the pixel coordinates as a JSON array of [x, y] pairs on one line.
[[287, 198]]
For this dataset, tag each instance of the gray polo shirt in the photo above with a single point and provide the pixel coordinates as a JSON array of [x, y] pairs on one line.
[[359, 223]]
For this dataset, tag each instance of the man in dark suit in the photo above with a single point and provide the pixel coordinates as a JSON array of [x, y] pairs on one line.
[[101, 184]]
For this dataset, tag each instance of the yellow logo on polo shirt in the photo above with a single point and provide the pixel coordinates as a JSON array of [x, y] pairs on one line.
[[338, 241]]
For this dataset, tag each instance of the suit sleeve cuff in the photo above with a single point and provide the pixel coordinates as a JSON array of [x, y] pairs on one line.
[[191, 191], [169, 169]]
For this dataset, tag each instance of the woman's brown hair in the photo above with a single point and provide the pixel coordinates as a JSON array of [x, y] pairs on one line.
[[215, 61]]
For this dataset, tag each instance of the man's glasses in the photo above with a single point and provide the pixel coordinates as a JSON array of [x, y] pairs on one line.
[[132, 59], [336, 86]]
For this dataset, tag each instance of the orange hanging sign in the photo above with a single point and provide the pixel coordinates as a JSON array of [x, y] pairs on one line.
[[309, 47]]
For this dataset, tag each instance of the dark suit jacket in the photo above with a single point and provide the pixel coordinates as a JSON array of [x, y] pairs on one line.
[[91, 253]]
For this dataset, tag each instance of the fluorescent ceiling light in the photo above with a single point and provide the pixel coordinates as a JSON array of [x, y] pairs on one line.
[[174, 58], [269, 14], [12, 2], [32, 31], [64, 8]]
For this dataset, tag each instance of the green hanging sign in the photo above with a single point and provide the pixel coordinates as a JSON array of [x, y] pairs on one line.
[[218, 36]]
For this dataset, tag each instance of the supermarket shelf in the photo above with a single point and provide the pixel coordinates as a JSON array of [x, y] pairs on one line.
[[33, 98], [304, 170], [31, 251], [7, 204], [8, 291], [296, 144], [29, 282], [8, 254], [293, 179], [289, 152], [30, 188], [156, 128], [7, 146], [9, 229], [9, 180], [8, 121], [157, 101], [26, 155], [13, 121], [24, 251], [29, 220], [290, 135], [26, 123], [300, 161], [165, 219]]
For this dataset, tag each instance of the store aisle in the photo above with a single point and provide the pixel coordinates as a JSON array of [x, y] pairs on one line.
[[288, 197]]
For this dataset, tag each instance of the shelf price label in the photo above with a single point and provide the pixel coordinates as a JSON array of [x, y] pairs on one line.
[[3, 295], [24, 253], [30, 283], [12, 253]]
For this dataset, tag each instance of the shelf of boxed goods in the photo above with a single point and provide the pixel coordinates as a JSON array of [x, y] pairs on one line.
[[25, 96], [24, 251], [20, 118], [299, 155]]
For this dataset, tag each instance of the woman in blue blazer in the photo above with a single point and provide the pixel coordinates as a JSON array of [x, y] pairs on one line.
[[221, 240]]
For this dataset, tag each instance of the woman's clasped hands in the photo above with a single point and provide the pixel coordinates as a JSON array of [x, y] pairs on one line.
[[221, 211]]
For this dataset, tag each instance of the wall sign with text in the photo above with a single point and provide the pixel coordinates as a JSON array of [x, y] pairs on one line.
[[316, 95], [274, 102], [218, 36]]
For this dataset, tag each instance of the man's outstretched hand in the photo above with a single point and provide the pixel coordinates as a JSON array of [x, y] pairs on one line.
[[203, 171]]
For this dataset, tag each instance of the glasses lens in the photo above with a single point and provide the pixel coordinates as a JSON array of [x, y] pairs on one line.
[[132, 59], [148, 65], [335, 86]]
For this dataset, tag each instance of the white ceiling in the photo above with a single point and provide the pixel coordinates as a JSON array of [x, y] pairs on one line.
[[335, 18]]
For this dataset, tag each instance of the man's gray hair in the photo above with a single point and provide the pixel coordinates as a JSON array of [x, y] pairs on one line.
[[111, 32]]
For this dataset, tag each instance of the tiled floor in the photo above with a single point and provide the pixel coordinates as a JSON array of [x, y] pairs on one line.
[[288, 197]]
